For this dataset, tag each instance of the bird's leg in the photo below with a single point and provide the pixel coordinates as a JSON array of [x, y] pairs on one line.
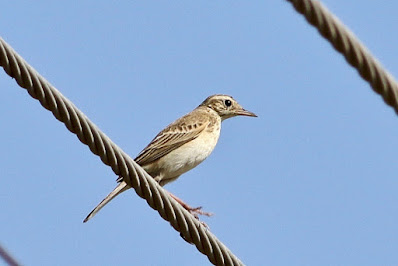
[[194, 211]]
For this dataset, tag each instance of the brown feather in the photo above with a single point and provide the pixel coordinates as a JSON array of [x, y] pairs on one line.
[[173, 136]]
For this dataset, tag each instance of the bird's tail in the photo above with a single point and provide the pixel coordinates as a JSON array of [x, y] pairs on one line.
[[119, 189]]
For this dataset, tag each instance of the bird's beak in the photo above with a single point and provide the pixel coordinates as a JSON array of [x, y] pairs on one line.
[[245, 113]]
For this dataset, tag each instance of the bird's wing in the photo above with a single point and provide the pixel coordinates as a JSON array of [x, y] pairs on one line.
[[175, 135]]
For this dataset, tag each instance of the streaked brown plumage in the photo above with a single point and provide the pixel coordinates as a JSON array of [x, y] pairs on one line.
[[183, 145]]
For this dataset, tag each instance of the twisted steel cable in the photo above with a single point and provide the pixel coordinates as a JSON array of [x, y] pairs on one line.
[[356, 54], [121, 163], [317, 15], [8, 259]]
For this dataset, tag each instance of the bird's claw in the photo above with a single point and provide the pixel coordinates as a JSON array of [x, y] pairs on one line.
[[198, 211]]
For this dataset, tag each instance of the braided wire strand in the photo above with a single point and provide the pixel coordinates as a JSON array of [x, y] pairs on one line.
[[356, 54], [121, 163], [7, 257]]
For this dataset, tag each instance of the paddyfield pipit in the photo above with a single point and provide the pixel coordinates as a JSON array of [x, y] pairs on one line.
[[183, 145]]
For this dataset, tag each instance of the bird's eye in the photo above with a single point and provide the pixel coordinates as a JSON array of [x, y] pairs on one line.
[[228, 103]]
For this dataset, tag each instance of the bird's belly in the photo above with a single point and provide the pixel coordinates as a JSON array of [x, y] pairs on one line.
[[188, 155]]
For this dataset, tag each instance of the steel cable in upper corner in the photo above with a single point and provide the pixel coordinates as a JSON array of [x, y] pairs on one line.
[[88, 133], [356, 54]]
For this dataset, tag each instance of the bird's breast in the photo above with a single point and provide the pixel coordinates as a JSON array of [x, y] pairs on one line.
[[190, 154]]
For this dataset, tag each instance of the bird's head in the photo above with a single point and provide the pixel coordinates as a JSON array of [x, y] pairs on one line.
[[225, 106]]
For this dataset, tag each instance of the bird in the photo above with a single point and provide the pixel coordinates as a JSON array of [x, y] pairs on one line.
[[182, 145]]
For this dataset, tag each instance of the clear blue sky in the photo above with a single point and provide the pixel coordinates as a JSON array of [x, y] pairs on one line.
[[311, 181]]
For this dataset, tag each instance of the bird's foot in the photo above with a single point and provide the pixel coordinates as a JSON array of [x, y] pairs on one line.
[[196, 211]]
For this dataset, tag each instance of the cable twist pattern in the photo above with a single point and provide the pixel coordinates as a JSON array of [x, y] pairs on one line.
[[121, 163], [352, 49], [191, 230]]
